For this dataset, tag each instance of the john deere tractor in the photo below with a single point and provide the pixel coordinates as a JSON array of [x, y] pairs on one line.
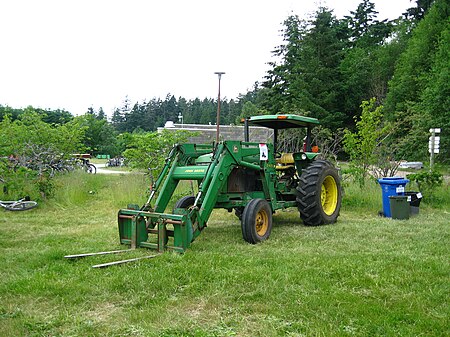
[[252, 179]]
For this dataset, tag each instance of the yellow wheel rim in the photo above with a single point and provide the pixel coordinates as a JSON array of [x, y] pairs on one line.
[[261, 222], [329, 195]]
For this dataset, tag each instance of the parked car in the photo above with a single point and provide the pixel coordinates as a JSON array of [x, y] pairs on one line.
[[416, 165]]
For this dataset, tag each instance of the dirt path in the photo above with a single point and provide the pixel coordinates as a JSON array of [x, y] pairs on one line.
[[101, 169]]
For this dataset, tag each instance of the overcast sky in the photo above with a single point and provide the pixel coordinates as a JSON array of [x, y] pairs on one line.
[[76, 54]]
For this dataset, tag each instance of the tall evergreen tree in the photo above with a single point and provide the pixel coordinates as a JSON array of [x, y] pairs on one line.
[[285, 68], [101, 114], [117, 120], [119, 117], [208, 111], [194, 112], [307, 78], [418, 12], [435, 98], [365, 29], [321, 56], [91, 111], [182, 108], [410, 100], [415, 63]]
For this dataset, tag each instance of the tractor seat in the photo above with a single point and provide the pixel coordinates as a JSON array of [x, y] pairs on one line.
[[285, 161]]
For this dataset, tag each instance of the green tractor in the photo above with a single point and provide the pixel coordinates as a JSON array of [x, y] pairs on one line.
[[254, 180]]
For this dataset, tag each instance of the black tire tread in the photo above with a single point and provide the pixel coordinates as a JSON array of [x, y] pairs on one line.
[[308, 199], [91, 168], [249, 233], [185, 202]]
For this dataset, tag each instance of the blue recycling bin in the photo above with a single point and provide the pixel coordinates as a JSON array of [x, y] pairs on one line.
[[391, 186]]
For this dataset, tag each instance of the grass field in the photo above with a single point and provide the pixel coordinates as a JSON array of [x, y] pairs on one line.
[[363, 276]]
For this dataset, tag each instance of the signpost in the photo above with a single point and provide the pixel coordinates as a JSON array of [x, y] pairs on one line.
[[433, 144]]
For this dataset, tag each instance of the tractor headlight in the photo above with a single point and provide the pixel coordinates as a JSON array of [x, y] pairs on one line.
[[303, 156]]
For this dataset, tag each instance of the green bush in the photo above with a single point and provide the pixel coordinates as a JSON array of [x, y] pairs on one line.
[[149, 149], [29, 147], [426, 180], [16, 184], [431, 185]]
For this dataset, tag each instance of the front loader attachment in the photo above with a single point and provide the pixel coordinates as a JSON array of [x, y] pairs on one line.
[[158, 231]]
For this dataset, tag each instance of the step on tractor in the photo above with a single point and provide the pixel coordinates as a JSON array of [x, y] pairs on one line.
[[252, 179]]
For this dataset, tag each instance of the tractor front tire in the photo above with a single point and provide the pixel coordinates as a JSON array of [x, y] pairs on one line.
[[319, 194], [256, 221], [185, 202]]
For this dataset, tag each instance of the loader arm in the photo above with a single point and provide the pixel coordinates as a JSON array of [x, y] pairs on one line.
[[215, 178]]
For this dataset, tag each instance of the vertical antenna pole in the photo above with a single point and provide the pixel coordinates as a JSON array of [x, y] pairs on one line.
[[218, 73]]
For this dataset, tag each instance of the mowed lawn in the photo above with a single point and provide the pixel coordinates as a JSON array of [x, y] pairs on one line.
[[363, 276]]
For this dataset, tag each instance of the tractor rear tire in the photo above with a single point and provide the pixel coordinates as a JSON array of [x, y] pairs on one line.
[[256, 221], [319, 194]]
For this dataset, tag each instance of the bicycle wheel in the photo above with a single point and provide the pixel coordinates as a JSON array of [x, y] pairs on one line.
[[90, 168], [21, 206]]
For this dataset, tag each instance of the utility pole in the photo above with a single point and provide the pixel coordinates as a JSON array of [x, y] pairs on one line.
[[218, 73]]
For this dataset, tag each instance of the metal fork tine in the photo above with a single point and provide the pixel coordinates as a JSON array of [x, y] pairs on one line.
[[108, 264], [76, 256]]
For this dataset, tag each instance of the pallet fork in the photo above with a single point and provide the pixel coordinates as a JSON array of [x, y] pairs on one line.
[[134, 231], [113, 263]]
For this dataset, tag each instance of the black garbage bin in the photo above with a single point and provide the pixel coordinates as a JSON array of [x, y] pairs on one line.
[[400, 208], [414, 199]]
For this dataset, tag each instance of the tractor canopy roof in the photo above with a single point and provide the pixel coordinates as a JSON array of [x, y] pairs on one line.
[[285, 121]]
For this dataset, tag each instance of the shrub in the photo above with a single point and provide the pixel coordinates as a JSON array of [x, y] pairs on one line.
[[28, 148], [429, 183]]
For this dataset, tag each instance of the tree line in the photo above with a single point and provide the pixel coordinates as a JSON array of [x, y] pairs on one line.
[[325, 68]]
